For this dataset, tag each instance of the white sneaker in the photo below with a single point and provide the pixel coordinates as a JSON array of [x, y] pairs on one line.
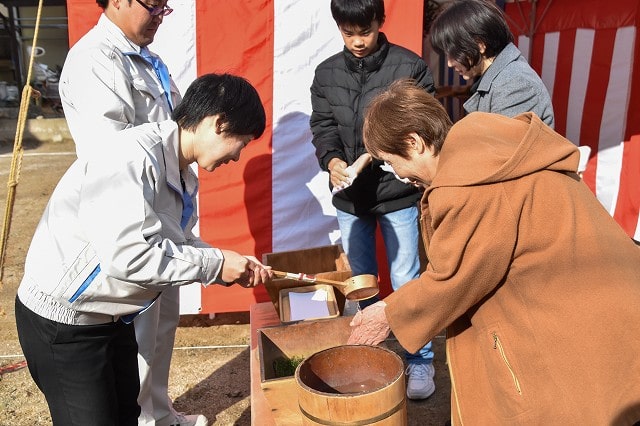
[[420, 381], [189, 420]]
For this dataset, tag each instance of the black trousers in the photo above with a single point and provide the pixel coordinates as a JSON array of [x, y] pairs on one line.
[[88, 373]]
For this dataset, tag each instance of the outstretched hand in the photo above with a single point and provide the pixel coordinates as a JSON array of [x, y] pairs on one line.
[[370, 326], [246, 271]]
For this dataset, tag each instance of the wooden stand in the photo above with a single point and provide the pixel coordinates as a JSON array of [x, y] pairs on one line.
[[274, 391], [261, 315]]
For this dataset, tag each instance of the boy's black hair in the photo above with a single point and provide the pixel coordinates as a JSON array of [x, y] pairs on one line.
[[358, 12], [233, 97], [458, 29]]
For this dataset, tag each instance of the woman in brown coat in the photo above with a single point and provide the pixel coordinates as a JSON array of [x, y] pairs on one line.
[[537, 286]]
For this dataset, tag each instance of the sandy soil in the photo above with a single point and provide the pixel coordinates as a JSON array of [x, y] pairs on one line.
[[210, 369]]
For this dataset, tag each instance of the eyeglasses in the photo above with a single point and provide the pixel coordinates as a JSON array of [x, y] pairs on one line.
[[155, 10]]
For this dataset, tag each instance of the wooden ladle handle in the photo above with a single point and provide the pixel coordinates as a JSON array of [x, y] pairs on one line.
[[307, 278]]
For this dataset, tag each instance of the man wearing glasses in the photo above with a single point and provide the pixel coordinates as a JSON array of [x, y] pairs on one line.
[[111, 81]]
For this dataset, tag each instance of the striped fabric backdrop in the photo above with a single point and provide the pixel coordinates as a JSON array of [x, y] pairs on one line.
[[276, 198], [587, 54]]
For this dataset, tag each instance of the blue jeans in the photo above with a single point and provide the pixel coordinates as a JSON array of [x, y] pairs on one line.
[[400, 234]]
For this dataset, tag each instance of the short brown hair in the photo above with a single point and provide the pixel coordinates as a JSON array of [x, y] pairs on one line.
[[404, 108]]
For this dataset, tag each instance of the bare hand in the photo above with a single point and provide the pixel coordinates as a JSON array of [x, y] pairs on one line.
[[260, 274], [363, 161], [338, 173], [370, 326], [244, 270]]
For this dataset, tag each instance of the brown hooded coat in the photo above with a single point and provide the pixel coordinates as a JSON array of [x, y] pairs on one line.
[[537, 286]]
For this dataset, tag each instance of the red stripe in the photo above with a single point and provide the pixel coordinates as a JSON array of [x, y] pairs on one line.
[[403, 23], [235, 200], [537, 53], [560, 95], [82, 15], [599, 72], [628, 203], [589, 175]]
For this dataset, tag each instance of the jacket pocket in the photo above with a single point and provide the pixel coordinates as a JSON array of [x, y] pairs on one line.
[[497, 345], [506, 383], [85, 288], [77, 274], [150, 88]]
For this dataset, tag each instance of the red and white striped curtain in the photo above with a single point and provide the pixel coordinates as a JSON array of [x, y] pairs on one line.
[[587, 55], [275, 198]]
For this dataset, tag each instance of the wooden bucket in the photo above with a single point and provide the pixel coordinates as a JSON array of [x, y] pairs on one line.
[[352, 385]]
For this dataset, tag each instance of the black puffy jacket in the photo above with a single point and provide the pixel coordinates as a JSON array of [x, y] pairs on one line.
[[342, 87]]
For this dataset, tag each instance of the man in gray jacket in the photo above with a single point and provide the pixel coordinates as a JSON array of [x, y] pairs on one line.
[[116, 234], [109, 83]]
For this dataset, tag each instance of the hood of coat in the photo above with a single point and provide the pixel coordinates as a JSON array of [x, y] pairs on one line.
[[485, 148]]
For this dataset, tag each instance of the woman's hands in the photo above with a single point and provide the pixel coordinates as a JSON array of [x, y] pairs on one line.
[[370, 325], [246, 271]]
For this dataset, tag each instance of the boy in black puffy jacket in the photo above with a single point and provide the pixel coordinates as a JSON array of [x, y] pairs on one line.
[[365, 194]]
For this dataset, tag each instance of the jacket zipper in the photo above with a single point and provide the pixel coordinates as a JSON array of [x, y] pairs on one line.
[[358, 123], [497, 344]]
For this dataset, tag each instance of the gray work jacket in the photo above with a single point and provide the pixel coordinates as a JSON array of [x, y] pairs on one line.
[[113, 234]]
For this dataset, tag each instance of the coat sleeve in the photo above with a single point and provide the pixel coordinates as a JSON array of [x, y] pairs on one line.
[[470, 252], [324, 128]]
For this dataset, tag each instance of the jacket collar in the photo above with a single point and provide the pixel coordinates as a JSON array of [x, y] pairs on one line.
[[170, 140], [369, 63], [165, 135], [509, 54], [115, 37]]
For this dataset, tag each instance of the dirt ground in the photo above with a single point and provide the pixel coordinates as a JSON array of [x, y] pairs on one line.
[[210, 368]]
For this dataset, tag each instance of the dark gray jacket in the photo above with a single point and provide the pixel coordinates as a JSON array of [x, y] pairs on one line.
[[510, 87], [342, 87]]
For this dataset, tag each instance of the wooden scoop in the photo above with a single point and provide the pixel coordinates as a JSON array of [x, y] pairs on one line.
[[359, 287]]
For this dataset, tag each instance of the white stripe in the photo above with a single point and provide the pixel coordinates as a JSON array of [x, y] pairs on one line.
[[524, 44], [614, 120], [582, 52], [608, 176], [176, 45], [618, 91], [175, 42], [304, 35], [550, 60]]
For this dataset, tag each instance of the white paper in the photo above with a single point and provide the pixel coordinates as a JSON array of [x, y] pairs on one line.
[[311, 304], [387, 168]]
